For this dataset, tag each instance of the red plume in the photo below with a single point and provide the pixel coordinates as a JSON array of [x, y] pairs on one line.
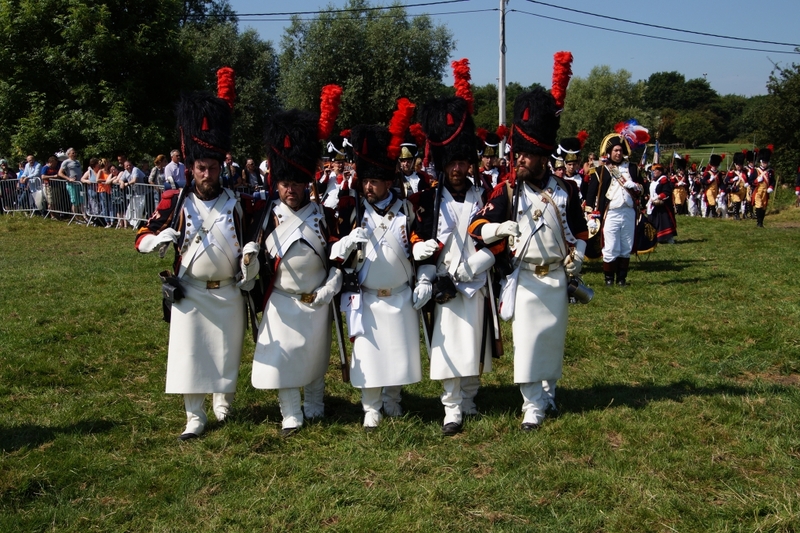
[[345, 133], [687, 157], [771, 147], [226, 85], [482, 133], [721, 157], [401, 119], [502, 131], [744, 151], [562, 72], [328, 110], [462, 76], [417, 133], [582, 136]]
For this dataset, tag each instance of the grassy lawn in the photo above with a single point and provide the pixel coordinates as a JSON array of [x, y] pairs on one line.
[[679, 408]]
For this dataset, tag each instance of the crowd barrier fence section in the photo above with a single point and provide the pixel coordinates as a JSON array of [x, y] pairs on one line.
[[22, 196]]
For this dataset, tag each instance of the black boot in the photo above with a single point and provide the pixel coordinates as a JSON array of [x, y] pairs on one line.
[[608, 270], [622, 271], [760, 212]]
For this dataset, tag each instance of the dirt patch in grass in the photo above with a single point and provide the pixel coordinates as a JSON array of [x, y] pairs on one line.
[[785, 380]]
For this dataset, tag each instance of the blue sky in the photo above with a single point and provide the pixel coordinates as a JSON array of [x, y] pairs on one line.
[[532, 39]]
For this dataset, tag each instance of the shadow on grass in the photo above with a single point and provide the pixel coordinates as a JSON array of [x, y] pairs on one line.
[[32, 436], [661, 265]]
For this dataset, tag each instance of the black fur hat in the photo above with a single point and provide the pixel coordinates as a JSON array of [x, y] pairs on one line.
[[765, 154], [738, 158], [536, 121], [715, 160], [293, 147], [204, 127], [370, 146], [451, 131]]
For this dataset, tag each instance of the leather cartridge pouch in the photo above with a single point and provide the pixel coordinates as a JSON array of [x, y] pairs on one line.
[[444, 289], [171, 292]]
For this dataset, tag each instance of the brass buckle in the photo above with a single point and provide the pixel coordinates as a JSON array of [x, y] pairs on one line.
[[307, 298], [384, 293], [541, 270], [212, 284]]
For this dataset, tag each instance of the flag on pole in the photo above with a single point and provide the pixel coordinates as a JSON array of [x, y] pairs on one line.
[[657, 153]]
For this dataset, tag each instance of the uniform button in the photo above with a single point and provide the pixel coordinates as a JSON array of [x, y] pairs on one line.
[[229, 212], [188, 223]]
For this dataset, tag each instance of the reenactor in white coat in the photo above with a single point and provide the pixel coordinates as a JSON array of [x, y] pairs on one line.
[[378, 294], [203, 300], [462, 333], [294, 338]]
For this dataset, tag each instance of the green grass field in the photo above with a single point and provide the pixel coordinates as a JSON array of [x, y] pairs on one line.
[[679, 408]]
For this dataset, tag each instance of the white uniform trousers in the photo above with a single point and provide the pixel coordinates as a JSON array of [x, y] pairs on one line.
[[535, 401], [196, 418], [373, 398], [290, 404], [618, 230], [458, 398]]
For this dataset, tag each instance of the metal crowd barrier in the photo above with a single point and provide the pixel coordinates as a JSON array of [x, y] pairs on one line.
[[18, 196], [90, 203]]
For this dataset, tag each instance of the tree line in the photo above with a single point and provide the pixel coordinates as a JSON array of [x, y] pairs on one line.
[[105, 76]]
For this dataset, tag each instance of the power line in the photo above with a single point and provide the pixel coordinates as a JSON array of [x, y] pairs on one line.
[[377, 16], [662, 27], [349, 10], [654, 36]]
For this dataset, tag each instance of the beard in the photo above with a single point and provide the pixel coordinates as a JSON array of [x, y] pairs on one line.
[[208, 190]]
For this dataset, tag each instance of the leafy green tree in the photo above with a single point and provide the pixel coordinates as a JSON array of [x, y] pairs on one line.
[[98, 76], [663, 90], [780, 119], [694, 128], [698, 93], [599, 101], [376, 56]]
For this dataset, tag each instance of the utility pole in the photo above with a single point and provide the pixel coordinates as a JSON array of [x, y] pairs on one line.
[[501, 86]]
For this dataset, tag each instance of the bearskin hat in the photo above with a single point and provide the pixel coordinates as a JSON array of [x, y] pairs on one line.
[[205, 121], [738, 158], [370, 145], [536, 121], [715, 160], [292, 145], [450, 129], [750, 156], [765, 154], [680, 163]]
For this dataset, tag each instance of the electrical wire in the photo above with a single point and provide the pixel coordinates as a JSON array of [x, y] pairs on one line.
[[661, 27], [464, 12], [653, 36]]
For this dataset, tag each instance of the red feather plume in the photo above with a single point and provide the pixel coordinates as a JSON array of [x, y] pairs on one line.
[[771, 147], [401, 119], [417, 133], [462, 77], [226, 85], [721, 157], [502, 131], [482, 133], [562, 72], [582, 136], [328, 110], [345, 133]]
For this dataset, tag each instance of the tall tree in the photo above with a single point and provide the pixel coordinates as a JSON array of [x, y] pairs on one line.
[[780, 120], [486, 110], [663, 90], [376, 56], [97, 75], [599, 101]]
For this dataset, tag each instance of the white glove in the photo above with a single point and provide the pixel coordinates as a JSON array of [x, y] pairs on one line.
[[797, 193], [424, 289], [574, 261], [769, 190], [425, 249], [249, 263], [592, 224], [151, 242], [475, 264], [348, 243], [759, 179], [325, 293], [493, 232], [631, 185]]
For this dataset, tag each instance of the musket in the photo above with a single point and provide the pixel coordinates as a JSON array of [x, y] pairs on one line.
[[335, 310], [426, 313], [498, 340], [253, 308], [176, 220]]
